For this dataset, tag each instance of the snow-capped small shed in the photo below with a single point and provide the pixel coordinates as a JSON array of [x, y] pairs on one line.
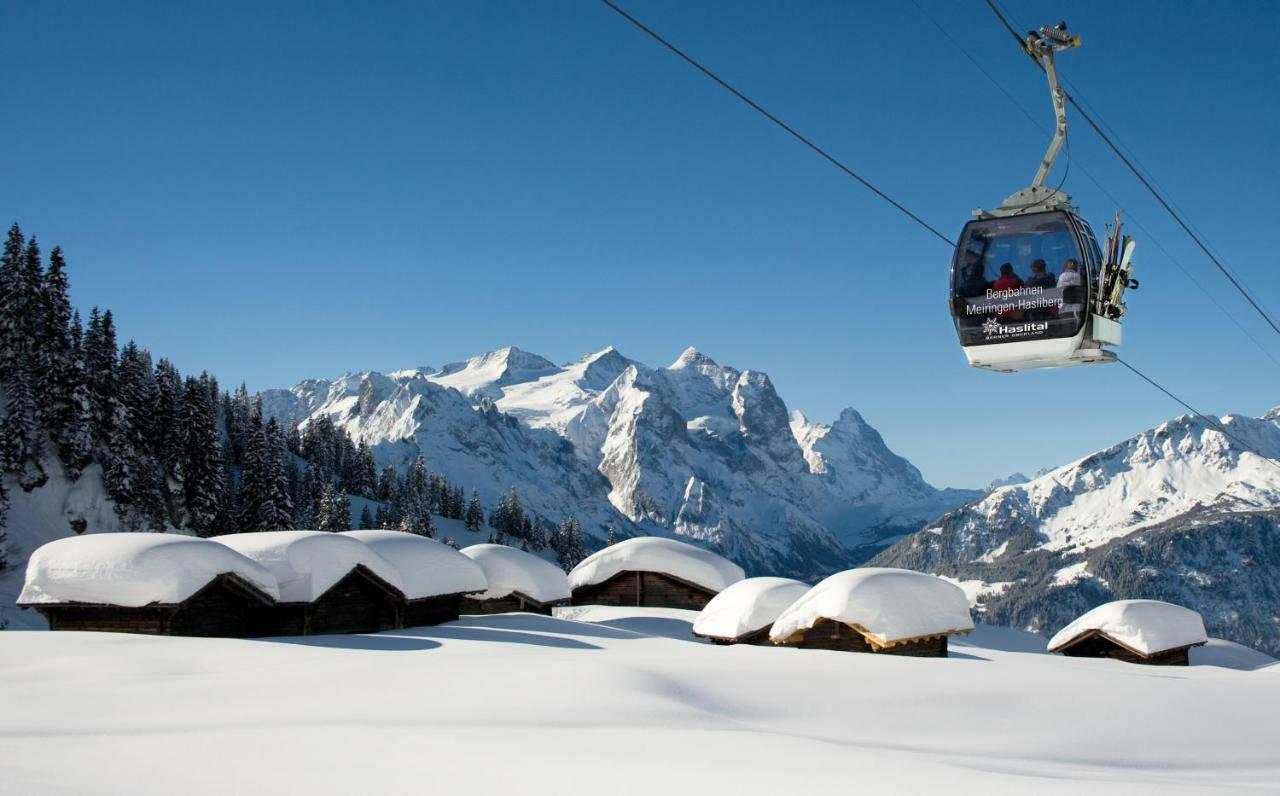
[[653, 572], [1137, 631], [517, 581], [894, 611], [162, 584], [329, 583], [433, 576], [744, 612]]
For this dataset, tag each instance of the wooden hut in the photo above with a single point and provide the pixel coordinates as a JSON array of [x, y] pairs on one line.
[[1136, 631], [890, 611], [652, 572], [160, 584], [517, 581], [435, 577], [744, 612], [329, 583]]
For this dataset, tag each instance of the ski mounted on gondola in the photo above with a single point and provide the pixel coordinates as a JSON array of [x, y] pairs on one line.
[[1030, 286]]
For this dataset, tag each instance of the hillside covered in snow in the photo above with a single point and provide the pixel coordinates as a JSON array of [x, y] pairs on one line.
[[1181, 512], [697, 450]]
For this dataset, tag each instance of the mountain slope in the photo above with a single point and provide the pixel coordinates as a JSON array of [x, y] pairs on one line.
[[697, 450], [1180, 512]]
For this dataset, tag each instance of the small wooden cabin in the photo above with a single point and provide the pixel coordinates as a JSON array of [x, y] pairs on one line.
[[1097, 644], [360, 602], [329, 582], [829, 634], [745, 612], [878, 610], [160, 584], [434, 576], [1136, 631], [647, 589], [652, 572], [228, 606], [516, 581]]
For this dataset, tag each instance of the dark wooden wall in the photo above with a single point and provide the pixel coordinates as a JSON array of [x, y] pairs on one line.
[[355, 604], [1101, 647], [512, 603], [644, 589], [830, 635], [225, 607], [427, 611]]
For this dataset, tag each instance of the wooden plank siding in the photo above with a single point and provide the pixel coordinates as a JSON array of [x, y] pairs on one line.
[[427, 611], [1094, 644], [512, 603], [644, 589], [227, 606], [828, 634]]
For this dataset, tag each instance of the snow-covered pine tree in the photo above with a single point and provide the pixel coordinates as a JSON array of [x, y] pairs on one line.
[[21, 434], [538, 539], [203, 479], [166, 432], [474, 517], [335, 510], [57, 355], [254, 475], [366, 518], [367, 472], [388, 484], [4, 527], [277, 506], [74, 431], [568, 544]]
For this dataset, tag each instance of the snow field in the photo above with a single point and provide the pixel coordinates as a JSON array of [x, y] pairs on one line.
[[541, 705]]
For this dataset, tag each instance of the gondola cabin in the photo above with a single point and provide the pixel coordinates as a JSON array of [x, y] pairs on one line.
[[1030, 286], [329, 583], [652, 572], [158, 584], [517, 582], [744, 612], [434, 576], [876, 610], [1135, 631]]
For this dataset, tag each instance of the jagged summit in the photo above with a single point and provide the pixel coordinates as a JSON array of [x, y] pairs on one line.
[[697, 450]]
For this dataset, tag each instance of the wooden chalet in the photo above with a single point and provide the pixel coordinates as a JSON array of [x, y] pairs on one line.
[[646, 589], [516, 581], [513, 602], [1097, 644], [228, 606], [360, 602]]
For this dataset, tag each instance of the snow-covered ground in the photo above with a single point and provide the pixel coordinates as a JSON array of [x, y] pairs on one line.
[[625, 703]]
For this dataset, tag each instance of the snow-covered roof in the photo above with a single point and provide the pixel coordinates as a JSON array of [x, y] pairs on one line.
[[133, 569], [306, 564], [656, 554], [886, 605], [747, 606], [510, 570], [1144, 626], [427, 568]]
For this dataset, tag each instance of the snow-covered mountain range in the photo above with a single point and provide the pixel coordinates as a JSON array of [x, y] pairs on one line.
[[1182, 512], [697, 450]]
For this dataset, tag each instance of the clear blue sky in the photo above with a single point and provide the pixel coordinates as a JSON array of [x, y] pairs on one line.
[[276, 191]]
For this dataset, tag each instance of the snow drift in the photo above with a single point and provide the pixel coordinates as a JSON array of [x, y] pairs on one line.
[[133, 569]]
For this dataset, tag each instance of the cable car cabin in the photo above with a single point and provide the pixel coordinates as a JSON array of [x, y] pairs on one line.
[[1022, 293], [1030, 287]]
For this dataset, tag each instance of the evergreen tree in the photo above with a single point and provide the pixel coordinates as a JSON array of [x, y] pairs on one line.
[[568, 544], [335, 510], [414, 500], [538, 539], [276, 512], [203, 479], [388, 484], [366, 518], [611, 538], [56, 382], [21, 434], [475, 514], [73, 429], [254, 475], [4, 527]]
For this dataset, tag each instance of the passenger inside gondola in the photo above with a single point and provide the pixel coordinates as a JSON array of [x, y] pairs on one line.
[[973, 281], [1072, 287], [1039, 276]]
